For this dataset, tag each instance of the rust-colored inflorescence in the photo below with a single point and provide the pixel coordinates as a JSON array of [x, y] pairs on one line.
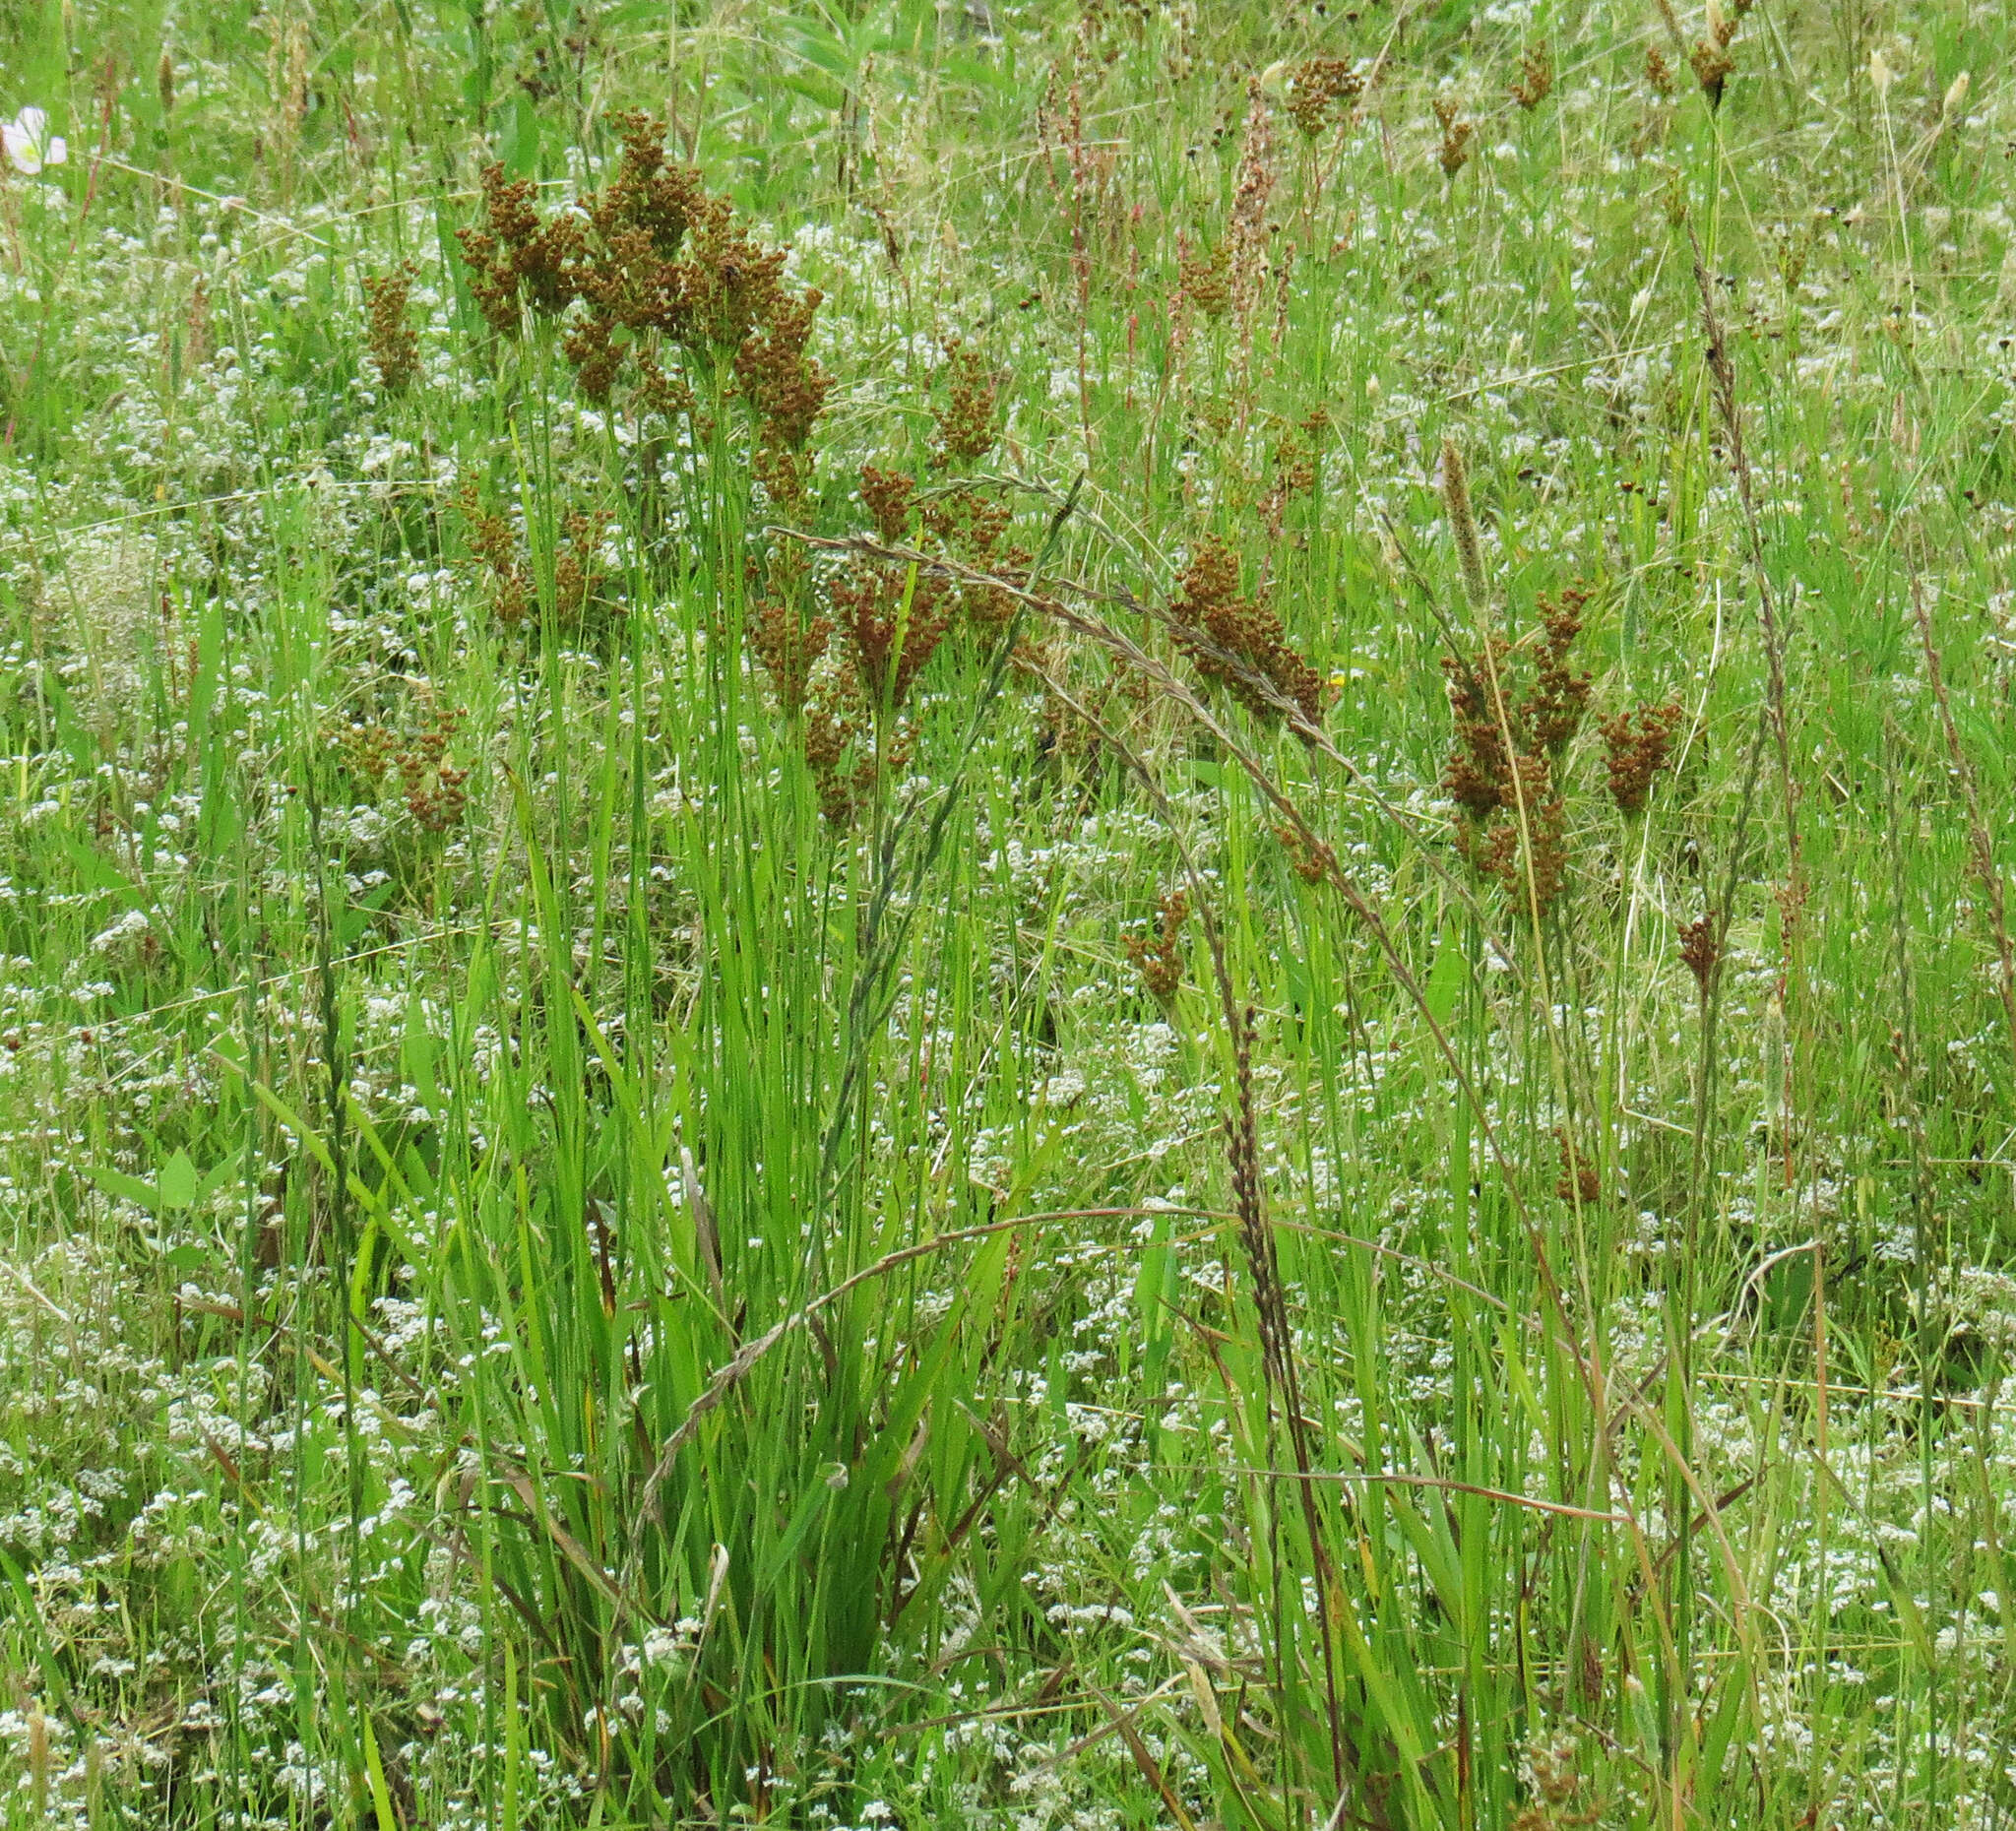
[[892, 615], [1700, 949], [1579, 1182], [494, 548], [1500, 771], [965, 424], [394, 347], [1457, 134], [1638, 745], [1320, 95], [1204, 280], [1237, 642], [1535, 76], [653, 263], [1158, 957]]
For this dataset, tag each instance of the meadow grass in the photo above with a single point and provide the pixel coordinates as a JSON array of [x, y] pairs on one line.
[[1026, 915]]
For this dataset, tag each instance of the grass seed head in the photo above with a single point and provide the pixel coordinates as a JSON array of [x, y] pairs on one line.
[[1320, 95], [394, 348], [1535, 80], [1457, 135], [1638, 746]]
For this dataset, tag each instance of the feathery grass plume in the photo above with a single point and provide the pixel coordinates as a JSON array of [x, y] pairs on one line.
[[394, 346], [1462, 527]]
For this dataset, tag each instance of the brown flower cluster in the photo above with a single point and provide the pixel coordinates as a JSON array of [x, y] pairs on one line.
[[1578, 1181], [966, 426], [1712, 60], [394, 347], [1158, 957], [1320, 93], [578, 567], [494, 548], [891, 617], [655, 263], [578, 572], [1638, 745], [1502, 765], [1700, 950], [1457, 135], [435, 792], [1204, 280], [1237, 642], [1535, 76]]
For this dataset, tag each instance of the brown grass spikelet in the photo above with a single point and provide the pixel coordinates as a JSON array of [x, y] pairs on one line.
[[1711, 58], [973, 526], [1203, 280], [1535, 80], [1247, 234], [516, 258], [886, 495], [1701, 950], [1579, 1181], [577, 565], [789, 644], [1713, 66], [1535, 872], [1238, 642], [1320, 93], [1477, 774], [494, 548], [1457, 135], [891, 614], [394, 347], [1555, 1789], [1158, 957], [435, 794], [1638, 746], [653, 266], [966, 423], [1659, 73], [1500, 769], [1559, 694], [1308, 856], [832, 723]]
